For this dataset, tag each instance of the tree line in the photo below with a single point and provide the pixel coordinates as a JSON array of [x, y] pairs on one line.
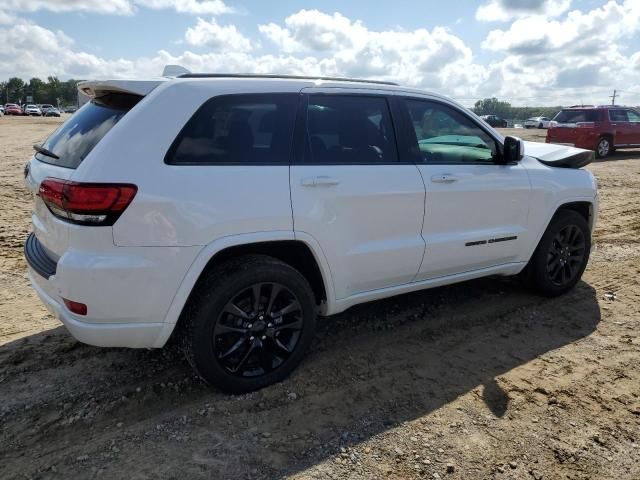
[[53, 91], [56, 92], [493, 106]]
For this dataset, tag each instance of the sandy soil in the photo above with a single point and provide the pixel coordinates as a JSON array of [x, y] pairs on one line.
[[475, 381]]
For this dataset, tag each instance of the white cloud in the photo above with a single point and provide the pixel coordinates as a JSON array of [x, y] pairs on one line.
[[504, 10], [6, 18], [217, 37], [315, 30], [196, 7], [599, 27], [118, 7], [580, 56], [347, 47], [538, 59]]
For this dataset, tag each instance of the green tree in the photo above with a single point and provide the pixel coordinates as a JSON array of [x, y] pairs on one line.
[[37, 89], [493, 106], [54, 90], [4, 92], [15, 90]]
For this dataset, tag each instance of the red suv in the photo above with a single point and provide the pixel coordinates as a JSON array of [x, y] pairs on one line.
[[603, 128]]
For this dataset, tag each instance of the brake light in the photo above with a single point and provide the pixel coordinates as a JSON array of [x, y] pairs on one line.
[[97, 204], [585, 124], [75, 307]]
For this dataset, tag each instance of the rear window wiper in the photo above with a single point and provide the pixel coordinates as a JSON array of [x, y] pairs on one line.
[[44, 151]]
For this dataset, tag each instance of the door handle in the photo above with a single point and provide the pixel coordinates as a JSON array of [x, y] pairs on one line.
[[444, 178], [319, 180]]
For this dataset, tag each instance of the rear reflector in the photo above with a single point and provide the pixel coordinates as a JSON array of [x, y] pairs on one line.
[[97, 204], [75, 307]]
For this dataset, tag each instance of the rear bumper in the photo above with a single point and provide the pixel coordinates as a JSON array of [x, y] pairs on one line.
[[133, 335], [127, 290], [587, 140]]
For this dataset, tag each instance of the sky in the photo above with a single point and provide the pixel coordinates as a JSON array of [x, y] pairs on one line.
[[527, 52]]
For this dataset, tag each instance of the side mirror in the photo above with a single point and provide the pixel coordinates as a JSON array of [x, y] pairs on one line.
[[513, 150]]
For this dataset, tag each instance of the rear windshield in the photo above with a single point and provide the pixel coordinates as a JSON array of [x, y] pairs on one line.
[[575, 116], [75, 138]]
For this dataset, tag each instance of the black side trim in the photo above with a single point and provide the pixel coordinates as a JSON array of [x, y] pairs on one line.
[[491, 240], [502, 239], [479, 242], [37, 257]]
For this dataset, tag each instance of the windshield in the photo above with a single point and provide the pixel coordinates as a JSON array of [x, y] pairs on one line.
[[575, 116], [75, 138]]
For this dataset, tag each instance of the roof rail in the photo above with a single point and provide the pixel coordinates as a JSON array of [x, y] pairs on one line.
[[292, 77]]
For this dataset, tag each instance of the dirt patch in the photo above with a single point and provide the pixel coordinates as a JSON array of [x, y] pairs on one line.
[[478, 380]]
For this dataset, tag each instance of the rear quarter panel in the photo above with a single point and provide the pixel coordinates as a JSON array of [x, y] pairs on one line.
[[186, 205]]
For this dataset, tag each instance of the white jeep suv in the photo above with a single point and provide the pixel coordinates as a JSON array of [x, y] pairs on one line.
[[230, 210]]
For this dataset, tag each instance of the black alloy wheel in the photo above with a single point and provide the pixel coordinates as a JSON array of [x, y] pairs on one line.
[[561, 256], [249, 323], [257, 330], [566, 255]]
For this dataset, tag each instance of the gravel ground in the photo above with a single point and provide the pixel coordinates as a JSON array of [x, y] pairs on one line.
[[480, 380]]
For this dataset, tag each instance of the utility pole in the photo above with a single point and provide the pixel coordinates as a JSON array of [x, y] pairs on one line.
[[613, 97]]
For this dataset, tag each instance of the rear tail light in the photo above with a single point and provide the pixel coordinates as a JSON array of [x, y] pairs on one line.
[[585, 125], [97, 204], [75, 307]]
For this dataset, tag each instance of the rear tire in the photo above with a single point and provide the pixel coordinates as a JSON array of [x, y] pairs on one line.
[[249, 323], [603, 149], [561, 256]]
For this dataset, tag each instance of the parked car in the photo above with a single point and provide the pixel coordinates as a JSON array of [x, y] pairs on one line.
[[1, 111], [240, 219], [32, 111], [599, 128], [536, 122], [495, 121], [69, 109], [12, 109], [50, 111]]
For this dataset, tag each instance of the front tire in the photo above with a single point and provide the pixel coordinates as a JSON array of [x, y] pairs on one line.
[[249, 323], [561, 256]]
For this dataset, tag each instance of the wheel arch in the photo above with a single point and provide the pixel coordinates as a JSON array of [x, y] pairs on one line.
[[302, 254], [610, 136], [584, 208]]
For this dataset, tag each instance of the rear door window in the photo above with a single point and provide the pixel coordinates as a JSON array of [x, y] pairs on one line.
[[633, 116], [349, 129], [576, 116], [75, 138], [618, 116], [238, 129]]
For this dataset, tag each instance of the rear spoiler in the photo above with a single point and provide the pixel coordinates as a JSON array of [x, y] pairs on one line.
[[136, 87]]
